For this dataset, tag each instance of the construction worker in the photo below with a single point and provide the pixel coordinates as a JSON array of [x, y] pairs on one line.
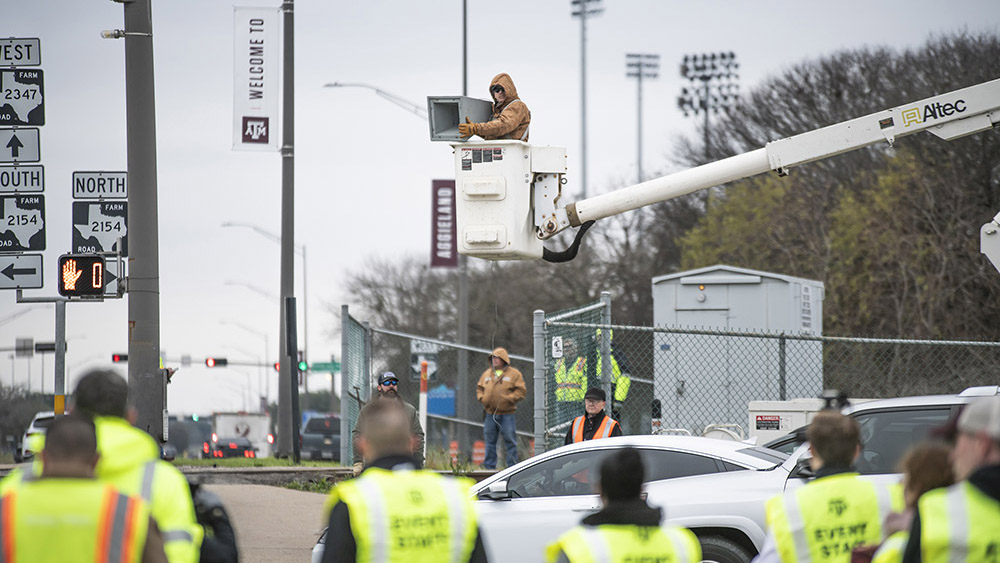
[[130, 460], [626, 528], [388, 389], [571, 377], [395, 512], [65, 515], [962, 522], [510, 119], [499, 389], [593, 424], [620, 381], [825, 519]]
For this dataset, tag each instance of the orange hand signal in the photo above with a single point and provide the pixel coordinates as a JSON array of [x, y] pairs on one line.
[[70, 275]]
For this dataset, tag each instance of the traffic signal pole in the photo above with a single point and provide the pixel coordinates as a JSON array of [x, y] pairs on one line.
[[287, 376], [146, 382]]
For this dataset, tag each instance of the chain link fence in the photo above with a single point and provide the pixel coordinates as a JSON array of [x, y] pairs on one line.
[[673, 379]]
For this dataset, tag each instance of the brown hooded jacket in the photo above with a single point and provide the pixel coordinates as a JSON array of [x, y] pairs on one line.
[[500, 392], [510, 120]]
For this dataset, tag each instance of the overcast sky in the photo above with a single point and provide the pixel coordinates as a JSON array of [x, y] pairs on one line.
[[364, 166]]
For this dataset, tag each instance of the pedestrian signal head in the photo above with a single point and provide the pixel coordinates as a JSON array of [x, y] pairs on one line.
[[81, 275]]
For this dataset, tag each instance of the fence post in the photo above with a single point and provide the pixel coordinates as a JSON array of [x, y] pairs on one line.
[[607, 370], [367, 363], [346, 361], [538, 332], [781, 367]]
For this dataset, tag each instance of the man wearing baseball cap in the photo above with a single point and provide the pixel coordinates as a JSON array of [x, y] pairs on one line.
[[388, 384], [593, 424], [962, 522]]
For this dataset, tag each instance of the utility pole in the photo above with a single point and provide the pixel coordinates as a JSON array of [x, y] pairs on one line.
[[583, 9], [146, 381], [287, 367], [462, 383], [641, 66]]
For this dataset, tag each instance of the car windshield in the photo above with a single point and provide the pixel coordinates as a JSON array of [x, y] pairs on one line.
[[43, 422], [323, 425], [765, 454]]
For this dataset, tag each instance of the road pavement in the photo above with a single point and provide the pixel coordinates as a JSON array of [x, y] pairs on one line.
[[273, 524]]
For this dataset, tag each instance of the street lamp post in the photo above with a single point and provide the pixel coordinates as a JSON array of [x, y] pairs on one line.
[[266, 386], [584, 9], [641, 66], [301, 250]]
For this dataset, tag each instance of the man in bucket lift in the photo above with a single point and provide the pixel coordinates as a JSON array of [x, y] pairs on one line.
[[510, 118]]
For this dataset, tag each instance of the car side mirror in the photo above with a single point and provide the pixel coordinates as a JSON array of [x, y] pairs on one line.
[[802, 470], [495, 491]]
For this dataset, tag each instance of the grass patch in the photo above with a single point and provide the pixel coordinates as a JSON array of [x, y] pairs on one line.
[[320, 486], [250, 462], [6, 458], [440, 459]]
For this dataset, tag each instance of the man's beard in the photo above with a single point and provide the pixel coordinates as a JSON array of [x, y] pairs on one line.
[[389, 393]]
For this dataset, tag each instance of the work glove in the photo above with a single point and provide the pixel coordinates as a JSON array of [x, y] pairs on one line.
[[358, 468], [467, 129]]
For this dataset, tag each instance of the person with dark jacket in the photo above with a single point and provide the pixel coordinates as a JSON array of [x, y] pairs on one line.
[[510, 119], [593, 424], [626, 528], [962, 522], [388, 384], [394, 511]]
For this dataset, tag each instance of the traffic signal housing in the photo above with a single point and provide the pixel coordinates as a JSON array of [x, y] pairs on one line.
[[119, 358], [216, 362], [81, 275]]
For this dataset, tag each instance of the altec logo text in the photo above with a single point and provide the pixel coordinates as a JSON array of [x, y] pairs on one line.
[[936, 110]]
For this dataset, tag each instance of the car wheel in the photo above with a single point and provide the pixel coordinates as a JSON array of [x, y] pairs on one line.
[[723, 550]]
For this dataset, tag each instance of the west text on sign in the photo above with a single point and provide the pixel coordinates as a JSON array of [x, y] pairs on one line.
[[20, 52]]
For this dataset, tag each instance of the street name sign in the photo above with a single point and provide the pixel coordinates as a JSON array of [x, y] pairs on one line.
[[97, 226], [19, 145], [21, 271], [22, 223], [100, 185], [22, 178], [331, 367], [20, 51], [21, 98]]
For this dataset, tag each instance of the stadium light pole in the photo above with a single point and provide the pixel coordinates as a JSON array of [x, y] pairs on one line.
[[641, 66], [583, 9], [712, 88]]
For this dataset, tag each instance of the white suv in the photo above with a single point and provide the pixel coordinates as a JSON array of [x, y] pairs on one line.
[[37, 426]]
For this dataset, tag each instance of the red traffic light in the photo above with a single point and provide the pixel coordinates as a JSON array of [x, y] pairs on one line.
[[118, 358], [216, 362], [277, 366]]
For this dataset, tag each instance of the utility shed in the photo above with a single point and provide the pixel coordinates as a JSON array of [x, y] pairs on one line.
[[703, 379]]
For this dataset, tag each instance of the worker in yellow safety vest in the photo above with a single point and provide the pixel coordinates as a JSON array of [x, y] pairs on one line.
[[626, 528], [825, 519], [130, 460], [571, 375], [395, 512], [594, 423], [962, 522], [67, 516]]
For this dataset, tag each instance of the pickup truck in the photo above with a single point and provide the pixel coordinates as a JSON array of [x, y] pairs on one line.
[[320, 438]]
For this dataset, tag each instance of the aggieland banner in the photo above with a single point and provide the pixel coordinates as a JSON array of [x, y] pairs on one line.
[[256, 74], [444, 246]]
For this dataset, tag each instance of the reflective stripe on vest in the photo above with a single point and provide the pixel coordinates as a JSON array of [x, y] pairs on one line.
[[7, 529], [958, 525], [146, 487], [891, 550], [603, 431], [378, 517], [598, 548]]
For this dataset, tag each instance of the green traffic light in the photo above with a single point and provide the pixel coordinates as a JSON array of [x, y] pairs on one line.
[[303, 366]]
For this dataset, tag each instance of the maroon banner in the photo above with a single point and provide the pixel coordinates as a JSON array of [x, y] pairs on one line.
[[444, 245]]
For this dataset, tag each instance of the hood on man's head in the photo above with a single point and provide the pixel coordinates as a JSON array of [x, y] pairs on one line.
[[502, 354], [507, 82]]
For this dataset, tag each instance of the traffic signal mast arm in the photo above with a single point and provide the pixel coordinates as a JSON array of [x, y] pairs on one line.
[[949, 116]]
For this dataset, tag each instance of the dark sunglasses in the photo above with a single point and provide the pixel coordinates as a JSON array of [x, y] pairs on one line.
[[496, 89], [390, 382]]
